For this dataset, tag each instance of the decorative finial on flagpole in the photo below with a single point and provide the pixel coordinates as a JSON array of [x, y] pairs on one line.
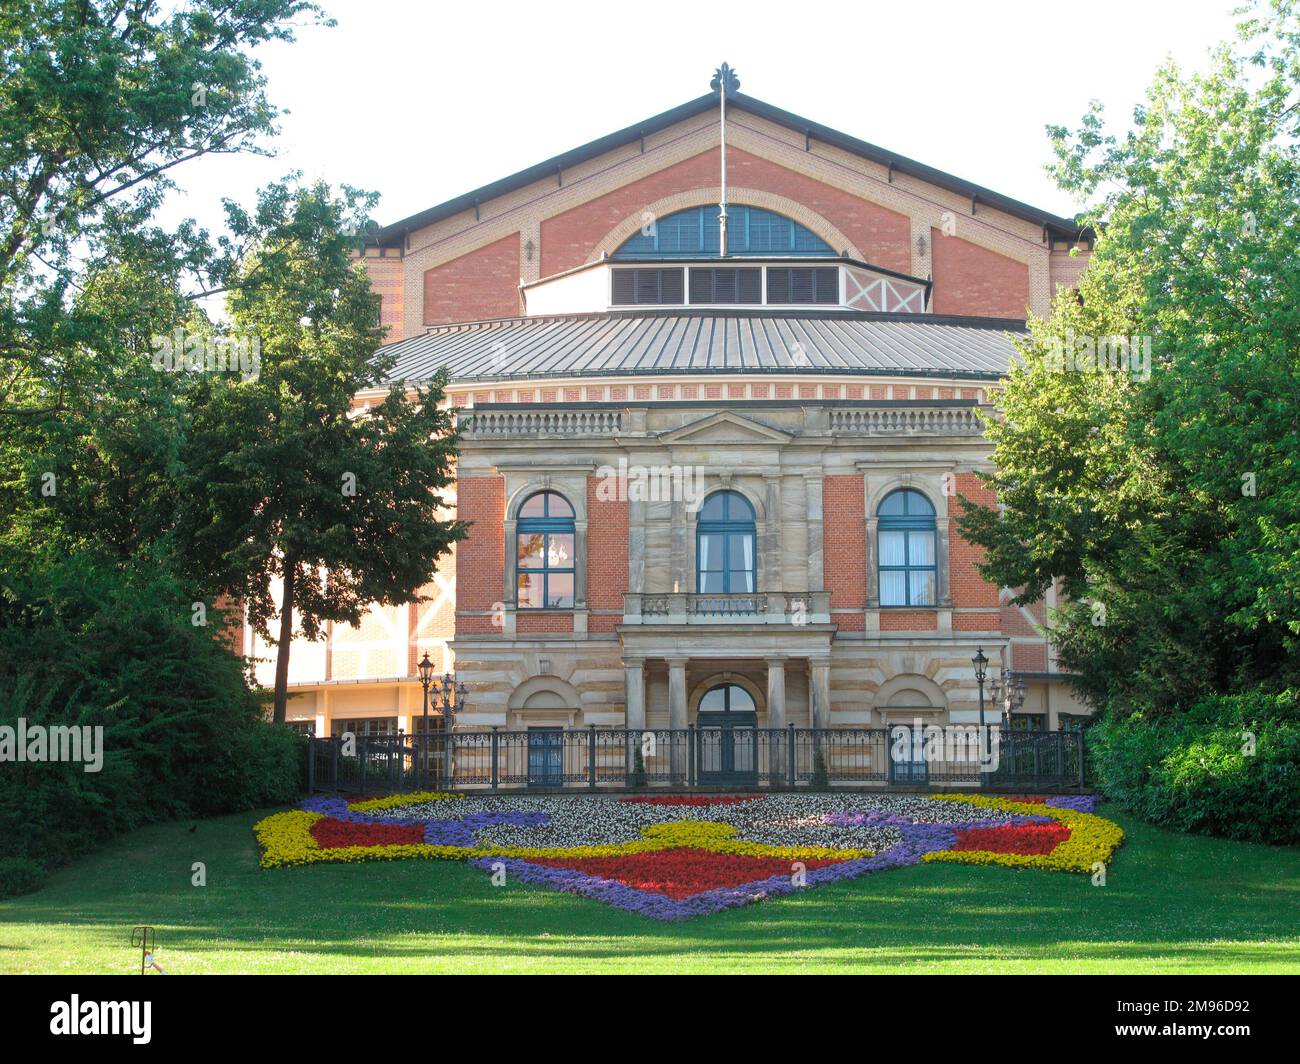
[[725, 75], [724, 81]]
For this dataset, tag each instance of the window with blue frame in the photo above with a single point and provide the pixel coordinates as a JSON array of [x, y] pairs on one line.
[[693, 233], [724, 544], [906, 532], [544, 574]]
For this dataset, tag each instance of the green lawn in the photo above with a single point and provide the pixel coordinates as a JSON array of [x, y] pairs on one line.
[[1173, 904]]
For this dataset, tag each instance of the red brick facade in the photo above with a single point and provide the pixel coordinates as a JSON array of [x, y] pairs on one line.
[[844, 547], [482, 284], [469, 264], [969, 279], [480, 557], [607, 532], [969, 589]]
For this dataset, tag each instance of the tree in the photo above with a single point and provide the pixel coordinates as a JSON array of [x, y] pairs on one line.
[[100, 101], [283, 477], [1167, 505]]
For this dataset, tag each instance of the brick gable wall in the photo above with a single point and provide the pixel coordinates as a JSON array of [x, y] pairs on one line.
[[482, 284], [883, 236], [969, 279]]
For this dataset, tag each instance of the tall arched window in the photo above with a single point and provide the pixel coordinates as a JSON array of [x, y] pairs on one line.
[[906, 531], [724, 544], [545, 539]]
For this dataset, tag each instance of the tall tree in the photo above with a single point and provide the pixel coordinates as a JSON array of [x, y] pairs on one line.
[[284, 478], [100, 102], [1168, 504]]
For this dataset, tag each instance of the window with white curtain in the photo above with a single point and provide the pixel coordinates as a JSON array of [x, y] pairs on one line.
[[906, 556], [724, 545]]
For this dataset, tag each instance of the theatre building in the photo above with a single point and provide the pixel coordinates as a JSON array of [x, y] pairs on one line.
[[710, 484]]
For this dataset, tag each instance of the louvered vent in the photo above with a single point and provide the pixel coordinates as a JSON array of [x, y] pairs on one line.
[[647, 287], [803, 285], [723, 286]]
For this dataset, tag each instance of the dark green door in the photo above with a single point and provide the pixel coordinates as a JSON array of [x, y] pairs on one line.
[[545, 757], [726, 732]]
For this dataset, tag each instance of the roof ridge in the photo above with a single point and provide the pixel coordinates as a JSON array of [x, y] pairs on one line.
[[556, 165]]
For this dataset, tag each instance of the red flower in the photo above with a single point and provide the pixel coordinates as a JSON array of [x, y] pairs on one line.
[[330, 833], [1013, 838], [691, 799], [682, 872]]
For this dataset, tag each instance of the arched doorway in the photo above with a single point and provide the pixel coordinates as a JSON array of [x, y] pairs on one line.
[[543, 707], [726, 723]]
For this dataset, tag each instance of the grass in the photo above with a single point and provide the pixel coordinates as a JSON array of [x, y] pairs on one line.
[[1173, 903]]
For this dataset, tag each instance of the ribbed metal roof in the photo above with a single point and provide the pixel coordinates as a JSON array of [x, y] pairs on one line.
[[681, 341]]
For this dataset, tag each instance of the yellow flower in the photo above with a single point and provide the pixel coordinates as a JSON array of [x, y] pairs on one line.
[[393, 801], [1093, 839], [286, 840]]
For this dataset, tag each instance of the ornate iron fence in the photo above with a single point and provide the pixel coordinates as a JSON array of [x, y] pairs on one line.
[[697, 758]]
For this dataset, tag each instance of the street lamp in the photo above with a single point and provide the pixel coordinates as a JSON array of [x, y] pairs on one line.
[[1008, 692], [981, 664], [451, 696], [450, 700], [426, 680]]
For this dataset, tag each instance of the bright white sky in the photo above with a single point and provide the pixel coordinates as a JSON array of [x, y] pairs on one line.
[[422, 100]]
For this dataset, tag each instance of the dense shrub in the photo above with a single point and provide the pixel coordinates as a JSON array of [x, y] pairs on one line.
[[19, 875], [184, 736], [1194, 772]]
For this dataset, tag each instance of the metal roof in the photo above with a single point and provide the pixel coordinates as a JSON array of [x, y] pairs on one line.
[[554, 168], [649, 342]]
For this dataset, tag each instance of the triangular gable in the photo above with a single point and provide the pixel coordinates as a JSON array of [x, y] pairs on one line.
[[725, 427]]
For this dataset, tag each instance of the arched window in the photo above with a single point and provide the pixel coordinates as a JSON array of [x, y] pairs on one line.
[[545, 539], [906, 531], [724, 544], [727, 698], [693, 233]]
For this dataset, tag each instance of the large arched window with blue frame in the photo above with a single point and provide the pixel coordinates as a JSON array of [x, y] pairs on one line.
[[906, 531], [693, 233], [724, 545], [545, 537]]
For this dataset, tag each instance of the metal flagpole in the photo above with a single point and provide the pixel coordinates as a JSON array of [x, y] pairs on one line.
[[723, 76], [722, 207]]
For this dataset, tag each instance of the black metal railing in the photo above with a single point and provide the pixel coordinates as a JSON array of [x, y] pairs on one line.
[[697, 758]]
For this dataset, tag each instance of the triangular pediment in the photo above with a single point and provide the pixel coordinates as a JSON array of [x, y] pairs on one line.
[[688, 117], [725, 427]]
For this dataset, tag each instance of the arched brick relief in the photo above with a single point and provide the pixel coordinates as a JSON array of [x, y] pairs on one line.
[[740, 197]]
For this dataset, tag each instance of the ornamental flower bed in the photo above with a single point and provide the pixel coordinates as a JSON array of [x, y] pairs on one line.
[[672, 857]]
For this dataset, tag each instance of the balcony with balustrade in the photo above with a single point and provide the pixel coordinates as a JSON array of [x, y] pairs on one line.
[[796, 608]]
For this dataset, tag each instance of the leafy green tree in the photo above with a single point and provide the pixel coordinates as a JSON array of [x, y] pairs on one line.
[[283, 478], [1166, 507], [100, 102]]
